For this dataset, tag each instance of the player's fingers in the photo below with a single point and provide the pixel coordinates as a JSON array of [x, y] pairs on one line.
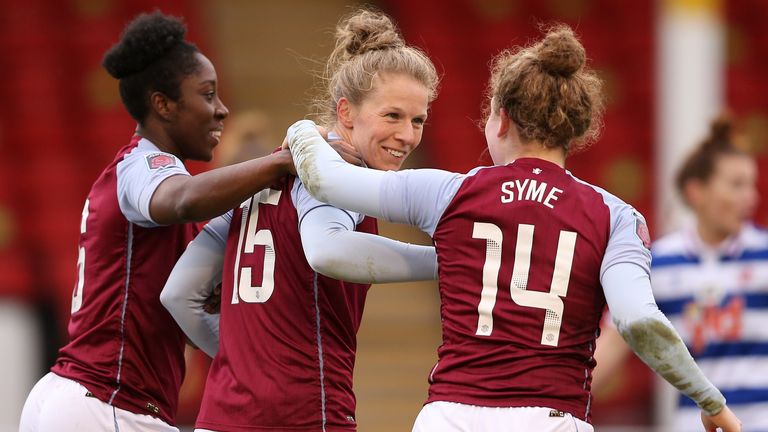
[[348, 152], [284, 146]]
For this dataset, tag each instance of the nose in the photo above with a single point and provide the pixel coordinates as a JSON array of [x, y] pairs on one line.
[[222, 111], [406, 134]]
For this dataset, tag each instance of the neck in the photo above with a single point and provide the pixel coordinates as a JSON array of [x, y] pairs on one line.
[[158, 137], [535, 150], [344, 133], [711, 236]]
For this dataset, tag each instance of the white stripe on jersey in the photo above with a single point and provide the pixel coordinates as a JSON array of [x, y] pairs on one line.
[[736, 372], [672, 282]]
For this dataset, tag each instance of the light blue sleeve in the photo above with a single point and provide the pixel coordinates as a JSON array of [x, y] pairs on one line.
[[218, 228], [651, 336], [191, 283], [628, 240], [414, 197], [304, 203], [137, 181], [333, 247], [418, 197]]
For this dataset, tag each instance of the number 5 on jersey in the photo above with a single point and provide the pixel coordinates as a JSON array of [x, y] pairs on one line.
[[77, 294], [550, 301], [243, 288]]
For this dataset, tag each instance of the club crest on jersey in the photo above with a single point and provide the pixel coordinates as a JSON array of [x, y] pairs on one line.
[[160, 160], [641, 229]]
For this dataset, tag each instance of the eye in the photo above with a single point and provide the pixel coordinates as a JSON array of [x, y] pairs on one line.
[[393, 115], [209, 96], [419, 121]]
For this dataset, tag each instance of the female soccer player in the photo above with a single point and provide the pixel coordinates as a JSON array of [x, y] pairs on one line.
[[124, 363], [711, 277], [527, 253], [285, 353]]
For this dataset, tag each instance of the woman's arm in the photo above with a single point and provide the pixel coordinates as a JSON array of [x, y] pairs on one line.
[[335, 249], [651, 336], [415, 197], [183, 198], [192, 282]]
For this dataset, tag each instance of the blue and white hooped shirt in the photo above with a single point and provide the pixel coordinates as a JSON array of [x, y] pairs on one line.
[[717, 299]]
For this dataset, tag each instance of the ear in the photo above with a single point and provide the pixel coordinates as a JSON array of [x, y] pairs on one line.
[[162, 105], [693, 191], [504, 123], [345, 113]]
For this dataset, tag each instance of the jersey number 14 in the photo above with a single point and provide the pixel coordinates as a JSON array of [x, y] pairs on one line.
[[550, 301]]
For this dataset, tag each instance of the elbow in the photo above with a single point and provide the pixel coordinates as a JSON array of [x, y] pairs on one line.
[[323, 263], [186, 209], [170, 299]]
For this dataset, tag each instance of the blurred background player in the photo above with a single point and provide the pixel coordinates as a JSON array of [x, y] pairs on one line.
[[528, 226], [711, 277], [124, 363], [287, 337], [248, 135]]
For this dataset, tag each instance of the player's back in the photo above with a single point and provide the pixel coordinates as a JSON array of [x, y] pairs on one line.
[[520, 249], [287, 334], [124, 346]]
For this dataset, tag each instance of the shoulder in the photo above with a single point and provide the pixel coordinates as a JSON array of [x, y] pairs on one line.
[[610, 200], [617, 207], [673, 243], [145, 155], [755, 236]]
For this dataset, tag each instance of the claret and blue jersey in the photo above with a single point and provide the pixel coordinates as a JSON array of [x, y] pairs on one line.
[[521, 250]]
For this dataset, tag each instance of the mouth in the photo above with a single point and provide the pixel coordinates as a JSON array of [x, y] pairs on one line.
[[395, 153], [215, 135]]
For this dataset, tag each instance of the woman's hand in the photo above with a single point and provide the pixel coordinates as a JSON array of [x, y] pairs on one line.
[[726, 420]]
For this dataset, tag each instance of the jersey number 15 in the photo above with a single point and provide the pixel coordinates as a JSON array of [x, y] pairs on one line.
[[243, 288]]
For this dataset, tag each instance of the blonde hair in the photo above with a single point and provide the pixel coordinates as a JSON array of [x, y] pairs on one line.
[[368, 43], [549, 93]]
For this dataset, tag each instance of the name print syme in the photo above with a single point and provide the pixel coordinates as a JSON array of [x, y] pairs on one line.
[[529, 190]]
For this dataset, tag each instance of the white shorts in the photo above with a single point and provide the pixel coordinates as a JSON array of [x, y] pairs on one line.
[[456, 417], [60, 404]]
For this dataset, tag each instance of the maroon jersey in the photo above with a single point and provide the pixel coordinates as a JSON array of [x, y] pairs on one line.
[[287, 334], [520, 248], [125, 347]]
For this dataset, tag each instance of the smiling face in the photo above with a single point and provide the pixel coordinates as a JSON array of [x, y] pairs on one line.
[[198, 120], [387, 125]]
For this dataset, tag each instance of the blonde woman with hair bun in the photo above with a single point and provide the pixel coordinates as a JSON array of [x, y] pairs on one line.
[[286, 340]]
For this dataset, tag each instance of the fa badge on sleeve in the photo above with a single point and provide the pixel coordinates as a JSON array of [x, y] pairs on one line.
[[641, 229], [160, 160]]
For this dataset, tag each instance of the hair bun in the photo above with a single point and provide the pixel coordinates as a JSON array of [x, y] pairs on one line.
[[368, 31], [146, 39], [560, 53], [721, 128]]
